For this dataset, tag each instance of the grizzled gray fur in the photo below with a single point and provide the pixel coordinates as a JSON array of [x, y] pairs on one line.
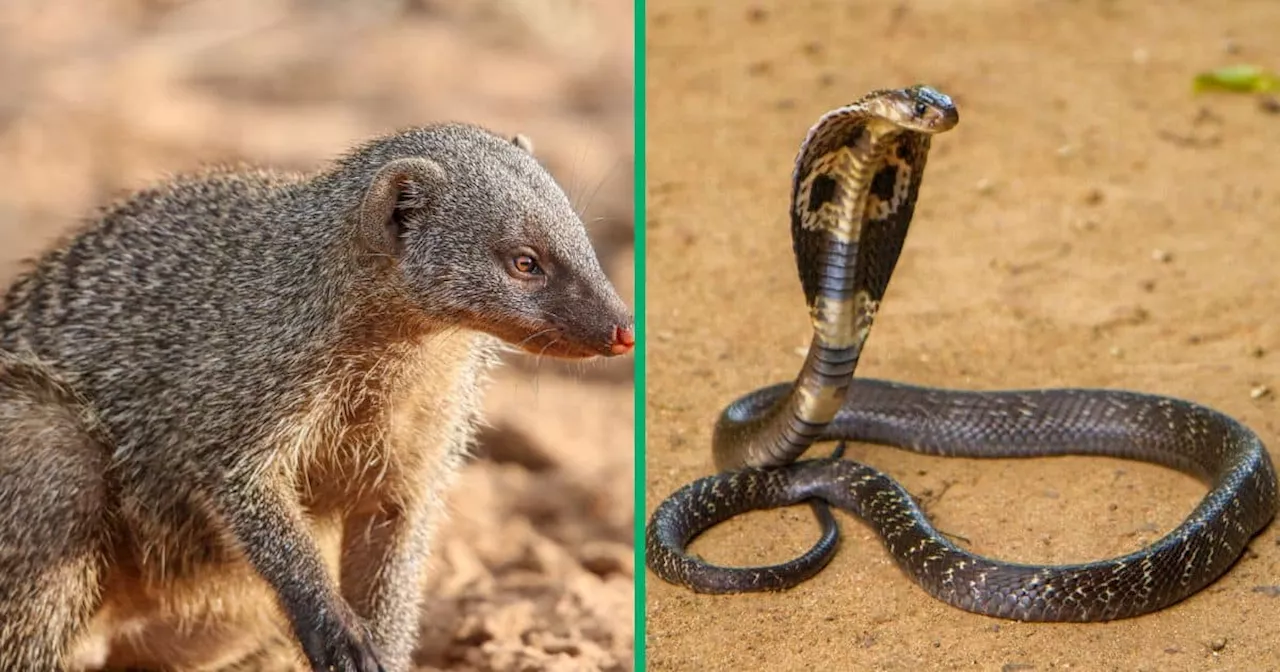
[[231, 405]]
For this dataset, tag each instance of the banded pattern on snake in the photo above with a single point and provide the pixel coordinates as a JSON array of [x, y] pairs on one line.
[[854, 189]]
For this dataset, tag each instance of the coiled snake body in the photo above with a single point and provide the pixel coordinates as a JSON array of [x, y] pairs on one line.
[[854, 190]]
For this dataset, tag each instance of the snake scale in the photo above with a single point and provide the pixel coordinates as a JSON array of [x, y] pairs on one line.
[[854, 190]]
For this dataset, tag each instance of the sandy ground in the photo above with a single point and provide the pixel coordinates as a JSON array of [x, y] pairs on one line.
[[1089, 223], [535, 571]]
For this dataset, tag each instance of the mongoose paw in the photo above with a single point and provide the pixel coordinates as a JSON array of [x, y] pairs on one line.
[[341, 647]]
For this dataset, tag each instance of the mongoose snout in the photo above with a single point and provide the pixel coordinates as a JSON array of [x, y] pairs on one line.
[[230, 405]]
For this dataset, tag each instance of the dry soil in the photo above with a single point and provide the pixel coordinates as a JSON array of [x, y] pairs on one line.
[[1090, 222]]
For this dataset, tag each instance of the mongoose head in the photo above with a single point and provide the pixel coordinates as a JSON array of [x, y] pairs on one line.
[[481, 235]]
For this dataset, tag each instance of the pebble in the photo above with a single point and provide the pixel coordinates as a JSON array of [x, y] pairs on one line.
[[1259, 391], [1162, 256], [605, 559], [1218, 644], [985, 186]]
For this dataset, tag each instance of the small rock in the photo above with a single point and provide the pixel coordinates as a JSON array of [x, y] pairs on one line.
[[1257, 351], [1259, 391], [1230, 45], [1162, 256], [1269, 104], [1093, 196], [984, 186], [606, 558], [1218, 644], [1115, 351]]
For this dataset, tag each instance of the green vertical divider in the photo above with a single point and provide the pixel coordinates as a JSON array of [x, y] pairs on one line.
[[639, 134]]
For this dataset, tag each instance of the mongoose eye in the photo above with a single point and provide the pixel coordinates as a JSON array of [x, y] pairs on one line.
[[527, 265]]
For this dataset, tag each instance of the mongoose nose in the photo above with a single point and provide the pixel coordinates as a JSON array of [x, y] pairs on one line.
[[624, 338]]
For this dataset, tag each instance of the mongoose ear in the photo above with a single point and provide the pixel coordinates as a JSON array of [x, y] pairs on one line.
[[397, 190], [523, 142]]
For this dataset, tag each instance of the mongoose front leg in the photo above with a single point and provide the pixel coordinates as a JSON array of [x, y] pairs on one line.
[[53, 492], [269, 526], [382, 577]]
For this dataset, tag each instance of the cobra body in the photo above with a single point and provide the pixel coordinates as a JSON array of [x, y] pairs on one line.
[[856, 180]]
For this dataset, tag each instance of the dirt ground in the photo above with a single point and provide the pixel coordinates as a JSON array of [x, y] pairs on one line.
[[535, 570], [1089, 223]]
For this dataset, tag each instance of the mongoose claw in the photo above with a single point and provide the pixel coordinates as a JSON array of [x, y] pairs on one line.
[[337, 647]]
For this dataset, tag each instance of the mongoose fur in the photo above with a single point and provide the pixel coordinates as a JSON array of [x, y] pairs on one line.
[[231, 404]]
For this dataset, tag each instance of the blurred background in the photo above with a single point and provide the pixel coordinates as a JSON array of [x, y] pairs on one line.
[[534, 571]]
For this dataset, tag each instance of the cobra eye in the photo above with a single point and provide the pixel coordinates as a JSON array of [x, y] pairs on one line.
[[921, 108], [527, 264]]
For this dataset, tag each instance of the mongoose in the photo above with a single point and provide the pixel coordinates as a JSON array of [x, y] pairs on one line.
[[231, 404]]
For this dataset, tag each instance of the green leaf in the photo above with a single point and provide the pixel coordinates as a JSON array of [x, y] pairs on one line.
[[1239, 78]]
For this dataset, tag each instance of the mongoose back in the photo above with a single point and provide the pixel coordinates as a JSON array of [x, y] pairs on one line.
[[231, 404]]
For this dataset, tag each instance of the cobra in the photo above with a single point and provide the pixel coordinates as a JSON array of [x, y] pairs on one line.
[[856, 180]]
